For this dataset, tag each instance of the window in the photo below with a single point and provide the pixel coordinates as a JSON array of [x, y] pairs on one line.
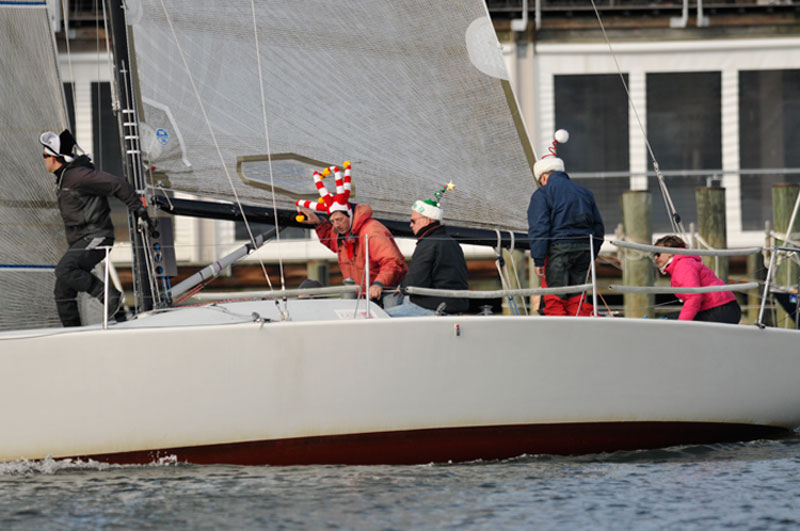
[[68, 95], [769, 111], [594, 109], [684, 124]]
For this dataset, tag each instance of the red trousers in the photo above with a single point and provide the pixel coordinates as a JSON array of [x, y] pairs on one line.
[[555, 305]]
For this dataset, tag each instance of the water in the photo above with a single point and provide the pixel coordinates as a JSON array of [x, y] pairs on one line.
[[740, 486]]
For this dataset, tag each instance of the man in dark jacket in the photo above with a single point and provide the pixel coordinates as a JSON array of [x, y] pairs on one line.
[[82, 193], [437, 262], [561, 217]]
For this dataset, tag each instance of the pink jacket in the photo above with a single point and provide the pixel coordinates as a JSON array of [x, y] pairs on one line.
[[689, 271]]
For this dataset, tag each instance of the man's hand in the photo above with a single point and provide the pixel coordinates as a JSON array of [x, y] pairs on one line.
[[540, 271], [311, 217], [148, 222], [375, 291]]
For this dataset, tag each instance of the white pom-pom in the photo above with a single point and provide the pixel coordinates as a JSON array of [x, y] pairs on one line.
[[562, 136]]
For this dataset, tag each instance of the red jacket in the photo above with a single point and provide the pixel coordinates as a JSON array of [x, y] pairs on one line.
[[387, 267], [689, 271]]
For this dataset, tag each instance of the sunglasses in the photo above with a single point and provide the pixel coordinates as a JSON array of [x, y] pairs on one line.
[[656, 255], [46, 156]]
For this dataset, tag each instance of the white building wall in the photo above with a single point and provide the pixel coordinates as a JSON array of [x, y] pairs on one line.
[[637, 59]]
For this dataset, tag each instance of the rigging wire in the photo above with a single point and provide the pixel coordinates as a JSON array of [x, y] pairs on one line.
[[674, 217], [214, 138], [516, 273], [504, 282], [269, 150]]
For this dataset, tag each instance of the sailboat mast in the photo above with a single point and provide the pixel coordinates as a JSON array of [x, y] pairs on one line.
[[128, 120]]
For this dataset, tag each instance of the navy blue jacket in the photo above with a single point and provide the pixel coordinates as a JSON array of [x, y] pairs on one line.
[[562, 211]]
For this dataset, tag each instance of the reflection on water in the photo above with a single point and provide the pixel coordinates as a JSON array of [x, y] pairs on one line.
[[745, 485]]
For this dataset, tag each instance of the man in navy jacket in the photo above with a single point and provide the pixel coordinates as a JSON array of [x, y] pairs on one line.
[[561, 217]]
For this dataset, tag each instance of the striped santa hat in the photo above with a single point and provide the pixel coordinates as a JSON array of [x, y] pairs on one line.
[[328, 202], [551, 162]]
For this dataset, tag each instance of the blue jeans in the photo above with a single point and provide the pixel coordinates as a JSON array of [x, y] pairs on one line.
[[408, 309]]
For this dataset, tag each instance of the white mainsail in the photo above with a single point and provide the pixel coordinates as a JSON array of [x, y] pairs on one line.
[[384, 84], [31, 231]]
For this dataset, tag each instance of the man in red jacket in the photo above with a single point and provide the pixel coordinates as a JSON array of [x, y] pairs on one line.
[[347, 231]]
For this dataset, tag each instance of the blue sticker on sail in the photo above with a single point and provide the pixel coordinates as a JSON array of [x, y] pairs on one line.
[[162, 136]]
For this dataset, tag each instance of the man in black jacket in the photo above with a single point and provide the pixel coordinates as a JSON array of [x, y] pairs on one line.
[[438, 263], [82, 193]]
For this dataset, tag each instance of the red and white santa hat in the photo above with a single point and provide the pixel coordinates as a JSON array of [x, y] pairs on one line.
[[551, 162], [327, 202]]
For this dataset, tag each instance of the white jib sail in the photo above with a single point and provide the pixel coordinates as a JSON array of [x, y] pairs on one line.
[[31, 230]]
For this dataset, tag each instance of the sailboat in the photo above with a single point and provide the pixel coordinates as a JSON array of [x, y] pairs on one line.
[[237, 102]]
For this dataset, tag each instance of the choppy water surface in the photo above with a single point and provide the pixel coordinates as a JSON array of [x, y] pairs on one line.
[[746, 486]]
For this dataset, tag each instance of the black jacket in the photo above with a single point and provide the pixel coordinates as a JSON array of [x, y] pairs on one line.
[[438, 262], [82, 192]]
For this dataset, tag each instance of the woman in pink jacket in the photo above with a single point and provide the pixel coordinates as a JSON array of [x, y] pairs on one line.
[[688, 271]]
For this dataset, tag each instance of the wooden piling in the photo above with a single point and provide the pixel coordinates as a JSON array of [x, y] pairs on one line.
[[755, 271], [318, 270], [637, 267], [712, 228], [783, 199]]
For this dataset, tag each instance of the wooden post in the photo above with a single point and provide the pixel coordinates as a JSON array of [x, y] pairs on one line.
[[637, 267], [318, 270], [783, 199], [711, 226], [755, 271]]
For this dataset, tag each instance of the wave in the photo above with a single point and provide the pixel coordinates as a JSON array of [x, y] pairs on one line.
[[50, 465]]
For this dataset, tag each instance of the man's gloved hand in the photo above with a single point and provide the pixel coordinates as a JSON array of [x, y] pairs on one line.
[[145, 218]]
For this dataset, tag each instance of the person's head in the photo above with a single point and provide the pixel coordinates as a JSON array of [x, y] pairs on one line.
[[330, 203], [418, 221], [57, 149], [308, 283], [427, 211], [662, 258], [340, 219], [550, 162], [545, 176], [52, 163], [423, 213]]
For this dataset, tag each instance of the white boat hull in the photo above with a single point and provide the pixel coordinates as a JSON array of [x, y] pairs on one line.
[[391, 390]]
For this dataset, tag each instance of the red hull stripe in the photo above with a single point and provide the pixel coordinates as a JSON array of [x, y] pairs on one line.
[[454, 444]]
